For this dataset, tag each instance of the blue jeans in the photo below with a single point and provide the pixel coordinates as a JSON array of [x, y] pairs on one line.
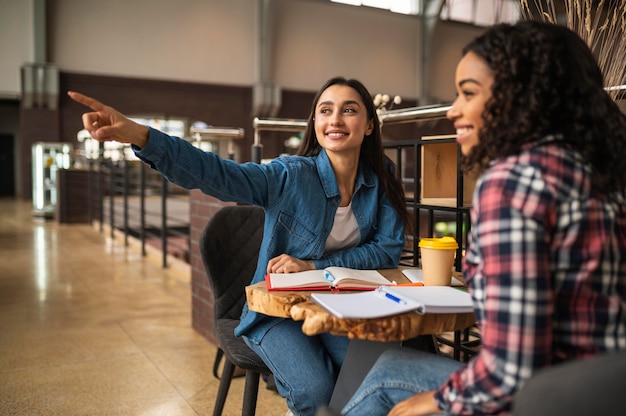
[[305, 367], [398, 374]]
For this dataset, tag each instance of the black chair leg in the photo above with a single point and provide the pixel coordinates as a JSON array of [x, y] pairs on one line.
[[227, 376], [250, 393], [216, 364]]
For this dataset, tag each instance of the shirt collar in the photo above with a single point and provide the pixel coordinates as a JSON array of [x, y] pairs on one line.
[[364, 175]]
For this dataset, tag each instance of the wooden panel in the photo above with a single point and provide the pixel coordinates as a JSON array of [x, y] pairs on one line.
[[439, 174], [72, 196]]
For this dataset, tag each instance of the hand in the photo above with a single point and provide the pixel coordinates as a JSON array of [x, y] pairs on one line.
[[417, 405], [288, 264], [107, 124]]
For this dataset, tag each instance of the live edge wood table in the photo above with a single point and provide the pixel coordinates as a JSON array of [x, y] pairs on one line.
[[369, 337]]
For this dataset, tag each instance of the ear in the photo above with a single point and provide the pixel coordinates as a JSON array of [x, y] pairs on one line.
[[370, 127]]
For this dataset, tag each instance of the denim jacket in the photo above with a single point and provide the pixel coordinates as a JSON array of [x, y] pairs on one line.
[[300, 197]]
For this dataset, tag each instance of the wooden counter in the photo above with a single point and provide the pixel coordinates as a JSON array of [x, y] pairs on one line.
[[72, 196]]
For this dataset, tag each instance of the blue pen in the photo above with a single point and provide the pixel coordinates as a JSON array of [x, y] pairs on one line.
[[394, 298]]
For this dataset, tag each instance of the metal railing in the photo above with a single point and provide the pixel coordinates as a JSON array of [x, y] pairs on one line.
[[131, 198], [140, 204], [272, 124]]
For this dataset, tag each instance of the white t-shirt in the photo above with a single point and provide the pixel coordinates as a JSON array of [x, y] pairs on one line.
[[345, 232]]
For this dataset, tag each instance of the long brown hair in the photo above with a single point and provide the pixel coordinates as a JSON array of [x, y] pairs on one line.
[[371, 149]]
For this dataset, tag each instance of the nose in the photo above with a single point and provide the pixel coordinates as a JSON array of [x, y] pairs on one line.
[[453, 112], [336, 118]]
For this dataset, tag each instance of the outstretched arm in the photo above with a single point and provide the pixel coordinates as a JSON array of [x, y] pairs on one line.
[[105, 123]]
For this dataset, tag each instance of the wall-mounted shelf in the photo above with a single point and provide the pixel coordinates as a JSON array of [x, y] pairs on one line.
[[437, 193]]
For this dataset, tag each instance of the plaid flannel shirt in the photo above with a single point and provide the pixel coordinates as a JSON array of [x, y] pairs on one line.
[[546, 267]]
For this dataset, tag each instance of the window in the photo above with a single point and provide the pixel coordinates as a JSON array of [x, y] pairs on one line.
[[395, 6], [476, 12], [481, 12]]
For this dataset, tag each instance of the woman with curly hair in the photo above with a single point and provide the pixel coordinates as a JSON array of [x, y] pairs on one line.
[[546, 259]]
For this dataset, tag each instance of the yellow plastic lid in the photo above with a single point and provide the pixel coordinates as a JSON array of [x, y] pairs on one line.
[[443, 243]]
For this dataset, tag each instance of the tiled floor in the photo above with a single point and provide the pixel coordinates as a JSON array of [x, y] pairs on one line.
[[89, 327]]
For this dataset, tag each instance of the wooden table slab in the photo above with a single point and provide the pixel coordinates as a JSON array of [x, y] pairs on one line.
[[317, 320], [297, 305]]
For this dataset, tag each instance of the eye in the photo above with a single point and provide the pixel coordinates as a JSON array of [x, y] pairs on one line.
[[349, 110], [468, 93]]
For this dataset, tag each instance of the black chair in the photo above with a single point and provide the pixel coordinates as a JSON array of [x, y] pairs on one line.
[[229, 247], [577, 388]]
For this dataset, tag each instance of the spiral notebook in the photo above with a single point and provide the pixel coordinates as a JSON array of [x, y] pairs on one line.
[[394, 300]]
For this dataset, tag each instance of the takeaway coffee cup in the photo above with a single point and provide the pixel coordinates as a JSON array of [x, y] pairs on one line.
[[437, 260]]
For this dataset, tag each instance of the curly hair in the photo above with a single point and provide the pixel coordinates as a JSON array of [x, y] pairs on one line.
[[371, 149], [547, 81]]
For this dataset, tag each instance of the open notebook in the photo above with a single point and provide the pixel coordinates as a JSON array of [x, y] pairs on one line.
[[394, 300], [329, 278]]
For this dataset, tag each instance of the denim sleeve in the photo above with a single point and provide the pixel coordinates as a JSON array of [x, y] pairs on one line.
[[192, 168]]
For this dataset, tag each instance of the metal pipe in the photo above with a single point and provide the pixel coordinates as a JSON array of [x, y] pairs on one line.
[[412, 114], [279, 124], [216, 133], [402, 115], [272, 124]]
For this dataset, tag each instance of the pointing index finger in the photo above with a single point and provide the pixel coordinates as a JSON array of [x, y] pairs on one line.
[[87, 101]]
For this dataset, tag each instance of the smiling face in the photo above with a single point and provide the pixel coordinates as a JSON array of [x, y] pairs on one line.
[[341, 120], [473, 81]]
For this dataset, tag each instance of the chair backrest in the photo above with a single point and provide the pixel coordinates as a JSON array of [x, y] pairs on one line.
[[592, 386], [229, 247]]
